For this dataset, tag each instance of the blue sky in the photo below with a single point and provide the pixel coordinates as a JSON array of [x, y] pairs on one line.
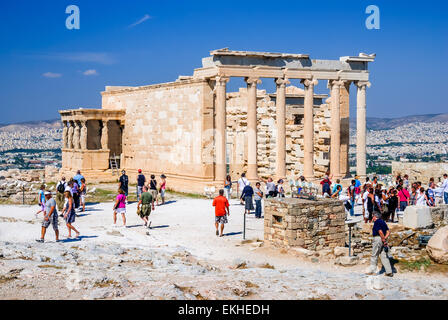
[[45, 67]]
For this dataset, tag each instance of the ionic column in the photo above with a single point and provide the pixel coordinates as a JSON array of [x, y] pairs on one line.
[[104, 135], [65, 134], [252, 167], [361, 153], [71, 130], [77, 136], [83, 138], [221, 129], [308, 128], [280, 109], [335, 147]]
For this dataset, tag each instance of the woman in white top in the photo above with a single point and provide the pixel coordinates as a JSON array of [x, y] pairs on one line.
[[421, 197]]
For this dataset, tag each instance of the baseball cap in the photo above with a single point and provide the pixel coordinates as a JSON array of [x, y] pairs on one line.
[[139, 170], [47, 193]]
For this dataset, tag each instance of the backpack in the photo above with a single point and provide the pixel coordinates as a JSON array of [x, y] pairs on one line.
[[61, 187]]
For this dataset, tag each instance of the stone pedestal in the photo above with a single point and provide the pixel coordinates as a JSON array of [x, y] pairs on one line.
[[313, 225], [417, 217]]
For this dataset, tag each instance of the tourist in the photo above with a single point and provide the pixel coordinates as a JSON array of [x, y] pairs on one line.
[[301, 185], [375, 182], [403, 195], [370, 204], [153, 190], [381, 233], [431, 195], [60, 189], [83, 193], [366, 185], [431, 180], [141, 181], [357, 187], [41, 199], [50, 217], [421, 199], [120, 207], [337, 193], [78, 177], [271, 191], [258, 196], [393, 205], [75, 192], [70, 214], [352, 194], [247, 195], [336, 185], [406, 182], [445, 188], [124, 183], [326, 183], [221, 205], [242, 183], [144, 206], [378, 204], [280, 189], [228, 187], [163, 188], [365, 209], [413, 196]]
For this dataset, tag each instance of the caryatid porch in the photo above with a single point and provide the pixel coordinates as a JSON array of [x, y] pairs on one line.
[[90, 138], [224, 63]]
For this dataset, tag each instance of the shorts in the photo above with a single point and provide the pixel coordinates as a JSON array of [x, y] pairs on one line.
[[162, 193], [83, 198], [221, 219], [145, 210], [53, 221], [154, 194], [121, 210]]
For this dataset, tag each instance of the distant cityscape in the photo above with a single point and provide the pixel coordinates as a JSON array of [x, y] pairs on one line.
[[36, 145]]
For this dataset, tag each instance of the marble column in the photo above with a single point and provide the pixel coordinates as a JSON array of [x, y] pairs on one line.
[[280, 109], [308, 128], [220, 129], [252, 167], [335, 147], [77, 135], [361, 153], [104, 135], [64, 134], [71, 130], [83, 138]]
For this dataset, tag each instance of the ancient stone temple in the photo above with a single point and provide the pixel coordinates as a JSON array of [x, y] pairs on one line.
[[196, 133]]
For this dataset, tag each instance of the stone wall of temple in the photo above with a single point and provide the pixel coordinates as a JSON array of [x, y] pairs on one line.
[[420, 171], [168, 129], [267, 132]]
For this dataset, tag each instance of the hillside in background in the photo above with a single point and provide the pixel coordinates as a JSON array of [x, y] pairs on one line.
[[44, 124], [391, 123]]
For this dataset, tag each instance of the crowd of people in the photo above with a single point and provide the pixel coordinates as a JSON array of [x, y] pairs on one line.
[[71, 198]]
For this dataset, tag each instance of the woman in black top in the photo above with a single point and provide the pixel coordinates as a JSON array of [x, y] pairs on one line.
[[153, 189], [393, 205]]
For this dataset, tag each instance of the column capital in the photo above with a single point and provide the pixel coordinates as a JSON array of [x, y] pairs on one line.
[[309, 82], [336, 83], [363, 84], [282, 82], [252, 80], [221, 80]]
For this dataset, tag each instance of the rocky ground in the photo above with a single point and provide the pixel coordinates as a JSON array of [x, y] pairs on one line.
[[181, 258]]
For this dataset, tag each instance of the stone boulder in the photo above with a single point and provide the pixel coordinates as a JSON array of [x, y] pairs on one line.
[[346, 261], [438, 246], [416, 217], [340, 251]]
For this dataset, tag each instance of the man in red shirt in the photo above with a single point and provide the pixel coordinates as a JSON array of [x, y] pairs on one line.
[[221, 205]]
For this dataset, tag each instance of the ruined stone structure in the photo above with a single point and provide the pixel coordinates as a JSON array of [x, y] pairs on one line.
[[420, 171], [196, 133], [314, 225]]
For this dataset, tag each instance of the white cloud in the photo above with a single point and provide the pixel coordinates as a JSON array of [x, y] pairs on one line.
[[52, 75], [90, 72], [145, 17]]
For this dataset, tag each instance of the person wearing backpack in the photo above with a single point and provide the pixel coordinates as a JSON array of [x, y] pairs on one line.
[[60, 198]]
